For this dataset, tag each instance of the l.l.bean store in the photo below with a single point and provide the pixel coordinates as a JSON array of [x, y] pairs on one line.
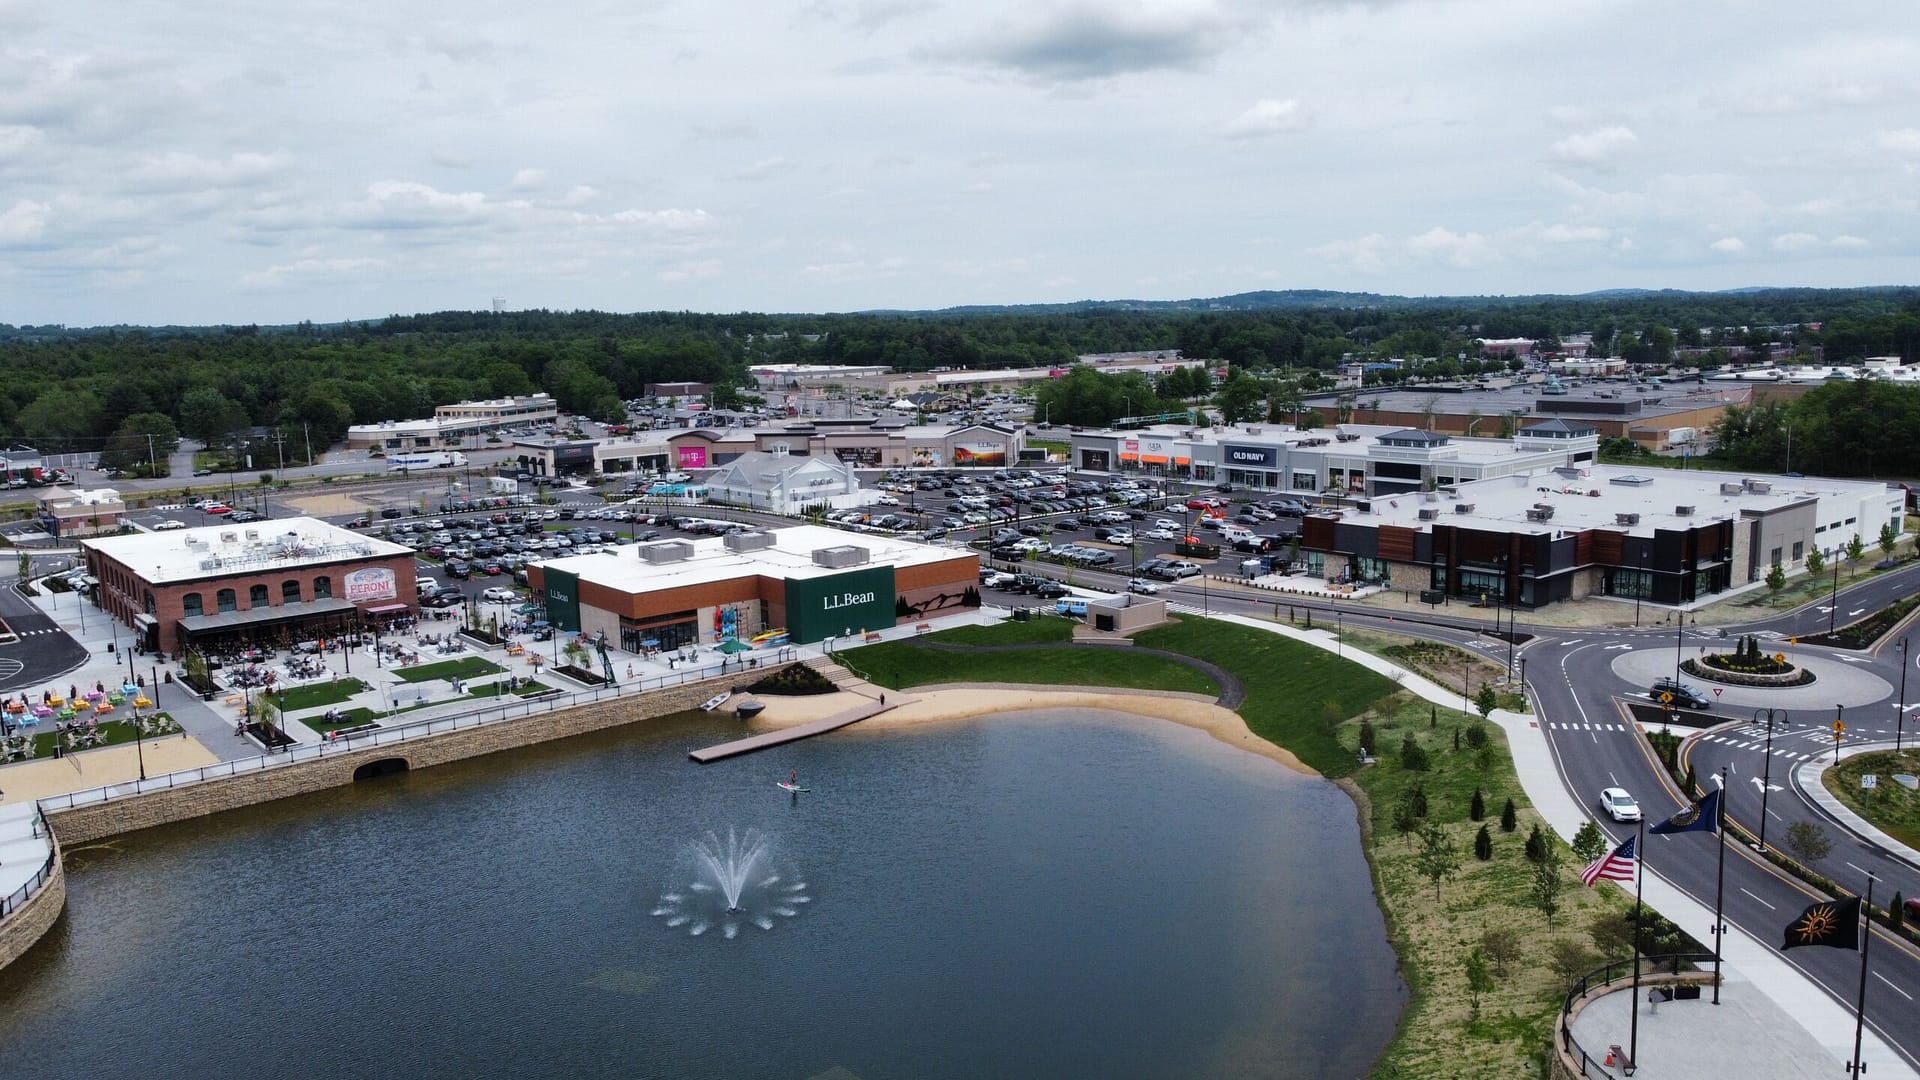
[[811, 582]]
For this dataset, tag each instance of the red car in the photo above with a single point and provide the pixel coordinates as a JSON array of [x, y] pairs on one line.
[[217, 508]]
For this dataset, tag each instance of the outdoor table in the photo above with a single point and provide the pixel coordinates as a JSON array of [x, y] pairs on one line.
[[130, 689], [96, 695], [100, 707], [56, 701], [66, 713], [117, 699], [42, 711], [16, 707], [142, 702]]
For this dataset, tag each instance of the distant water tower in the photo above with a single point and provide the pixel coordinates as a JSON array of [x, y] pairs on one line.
[[499, 304]]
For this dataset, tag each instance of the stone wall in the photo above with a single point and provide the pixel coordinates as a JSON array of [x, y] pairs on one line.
[[86, 823], [36, 916]]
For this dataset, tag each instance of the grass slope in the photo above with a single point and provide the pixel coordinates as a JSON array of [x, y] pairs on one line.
[[909, 662]]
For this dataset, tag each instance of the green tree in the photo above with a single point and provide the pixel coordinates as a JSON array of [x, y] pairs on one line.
[[1776, 578], [1477, 809], [1240, 398], [1501, 945], [1547, 884], [1509, 819], [1537, 845], [1896, 913], [1888, 538], [1479, 980], [1413, 756], [1485, 700], [1808, 841], [1612, 933], [1570, 960], [1483, 844], [1816, 562], [1405, 821], [1438, 858], [210, 416], [1589, 843], [1368, 743], [1855, 549]]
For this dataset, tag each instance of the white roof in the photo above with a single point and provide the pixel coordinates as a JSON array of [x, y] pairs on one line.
[[791, 556], [1590, 498], [220, 550]]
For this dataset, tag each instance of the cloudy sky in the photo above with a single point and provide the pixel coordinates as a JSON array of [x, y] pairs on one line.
[[256, 161]]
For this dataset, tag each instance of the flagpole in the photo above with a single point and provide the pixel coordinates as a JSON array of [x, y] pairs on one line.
[[1639, 883], [1857, 1069], [1720, 884]]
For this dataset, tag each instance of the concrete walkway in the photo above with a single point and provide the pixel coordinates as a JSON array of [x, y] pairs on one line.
[[1807, 778]]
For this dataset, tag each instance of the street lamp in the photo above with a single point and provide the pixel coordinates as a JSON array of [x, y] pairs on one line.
[[1766, 773], [1679, 636], [1834, 611], [1900, 717]]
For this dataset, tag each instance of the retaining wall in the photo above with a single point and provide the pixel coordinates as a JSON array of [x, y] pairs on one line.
[[93, 821], [25, 925]]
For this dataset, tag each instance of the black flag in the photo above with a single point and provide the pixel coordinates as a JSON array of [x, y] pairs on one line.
[[1835, 923]]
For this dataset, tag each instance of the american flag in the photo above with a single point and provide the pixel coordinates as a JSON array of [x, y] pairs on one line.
[[1616, 865]]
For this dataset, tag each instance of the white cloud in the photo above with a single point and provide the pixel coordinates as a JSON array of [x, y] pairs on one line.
[[178, 170], [1795, 241], [1602, 147], [24, 221], [307, 270], [1267, 117], [1899, 140], [1729, 245], [695, 270], [528, 180], [1849, 243]]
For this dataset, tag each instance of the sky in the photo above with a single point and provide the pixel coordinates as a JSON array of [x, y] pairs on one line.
[[246, 161]]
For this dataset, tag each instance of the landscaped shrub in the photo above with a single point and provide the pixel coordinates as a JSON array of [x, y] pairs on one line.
[[794, 681]]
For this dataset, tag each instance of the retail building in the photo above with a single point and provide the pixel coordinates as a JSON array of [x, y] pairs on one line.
[[225, 585], [454, 425], [807, 581]]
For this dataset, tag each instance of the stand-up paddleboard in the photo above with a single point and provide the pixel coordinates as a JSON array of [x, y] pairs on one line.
[[784, 786], [717, 700]]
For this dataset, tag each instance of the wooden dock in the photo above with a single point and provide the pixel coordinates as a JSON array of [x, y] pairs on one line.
[[786, 735]]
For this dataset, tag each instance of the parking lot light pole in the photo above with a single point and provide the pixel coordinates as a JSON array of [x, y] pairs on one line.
[[1834, 611]]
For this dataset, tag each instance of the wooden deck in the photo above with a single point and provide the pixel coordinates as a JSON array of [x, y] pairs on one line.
[[786, 735]]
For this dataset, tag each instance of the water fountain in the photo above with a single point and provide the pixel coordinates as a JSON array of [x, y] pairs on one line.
[[735, 884]]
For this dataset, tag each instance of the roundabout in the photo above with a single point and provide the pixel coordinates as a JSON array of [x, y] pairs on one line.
[[1837, 681]]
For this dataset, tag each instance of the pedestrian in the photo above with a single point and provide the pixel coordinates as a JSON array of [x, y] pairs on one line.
[[883, 698], [336, 678]]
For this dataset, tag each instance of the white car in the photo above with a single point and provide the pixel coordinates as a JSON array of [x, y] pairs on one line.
[[1123, 537], [498, 595], [1619, 805], [1142, 586], [169, 524], [1160, 534], [1167, 524], [886, 500], [996, 579]]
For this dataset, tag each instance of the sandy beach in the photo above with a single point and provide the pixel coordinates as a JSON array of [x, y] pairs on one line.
[[43, 777], [955, 702]]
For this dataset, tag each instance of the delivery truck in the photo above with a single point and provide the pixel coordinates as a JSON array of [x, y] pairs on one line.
[[434, 459]]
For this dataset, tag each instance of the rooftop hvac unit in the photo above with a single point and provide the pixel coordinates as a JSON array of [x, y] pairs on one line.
[[1429, 513], [1463, 508], [845, 555], [1540, 513], [1683, 511], [229, 537], [667, 551], [1626, 519], [253, 536], [1347, 436], [1732, 488], [1760, 487], [748, 541], [1251, 430], [1430, 496]]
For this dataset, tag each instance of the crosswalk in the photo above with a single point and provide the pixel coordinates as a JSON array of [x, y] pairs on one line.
[[1572, 726]]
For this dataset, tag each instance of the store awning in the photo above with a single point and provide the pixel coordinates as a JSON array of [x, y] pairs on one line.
[[386, 609], [263, 616]]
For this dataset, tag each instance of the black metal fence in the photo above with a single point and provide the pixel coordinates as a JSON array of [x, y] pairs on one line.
[[13, 900], [1613, 972]]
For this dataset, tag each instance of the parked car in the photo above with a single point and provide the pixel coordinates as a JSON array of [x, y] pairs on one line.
[[169, 524], [1050, 590], [1619, 805], [499, 595], [1142, 586], [1683, 695]]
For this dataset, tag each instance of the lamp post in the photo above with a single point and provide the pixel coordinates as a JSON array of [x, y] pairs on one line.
[[1900, 716], [1839, 729], [1679, 637], [1834, 611], [1766, 774]]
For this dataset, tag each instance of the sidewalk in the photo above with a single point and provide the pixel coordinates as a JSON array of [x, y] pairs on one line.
[[1808, 1024], [1806, 777]]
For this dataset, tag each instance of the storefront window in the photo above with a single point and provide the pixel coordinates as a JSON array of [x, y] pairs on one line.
[[323, 588], [1371, 571], [190, 604], [1480, 583], [225, 601]]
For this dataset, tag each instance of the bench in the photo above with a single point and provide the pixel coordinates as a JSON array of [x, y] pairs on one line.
[[923, 628], [236, 699], [871, 637]]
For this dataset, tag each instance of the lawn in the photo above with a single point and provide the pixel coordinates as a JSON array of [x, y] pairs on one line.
[[113, 732], [905, 663], [1297, 695], [499, 689], [468, 667], [346, 718], [1045, 628], [1891, 808], [315, 695]]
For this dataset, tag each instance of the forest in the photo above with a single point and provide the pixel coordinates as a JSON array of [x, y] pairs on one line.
[[79, 389]]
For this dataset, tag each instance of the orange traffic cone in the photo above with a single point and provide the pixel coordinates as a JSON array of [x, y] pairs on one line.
[[1609, 1057]]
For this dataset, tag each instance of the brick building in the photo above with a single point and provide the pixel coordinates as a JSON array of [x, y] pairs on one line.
[[227, 585]]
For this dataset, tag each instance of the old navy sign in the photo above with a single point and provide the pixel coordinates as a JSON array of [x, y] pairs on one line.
[[846, 600], [1253, 457]]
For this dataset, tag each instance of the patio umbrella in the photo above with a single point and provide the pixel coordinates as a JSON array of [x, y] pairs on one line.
[[735, 645]]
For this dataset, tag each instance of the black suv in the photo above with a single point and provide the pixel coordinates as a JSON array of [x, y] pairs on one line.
[[1683, 695]]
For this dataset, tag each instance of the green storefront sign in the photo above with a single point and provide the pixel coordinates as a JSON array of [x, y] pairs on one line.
[[563, 599], [857, 600]]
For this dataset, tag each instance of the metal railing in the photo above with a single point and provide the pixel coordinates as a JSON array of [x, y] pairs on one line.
[[399, 733], [13, 900], [1613, 972]]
